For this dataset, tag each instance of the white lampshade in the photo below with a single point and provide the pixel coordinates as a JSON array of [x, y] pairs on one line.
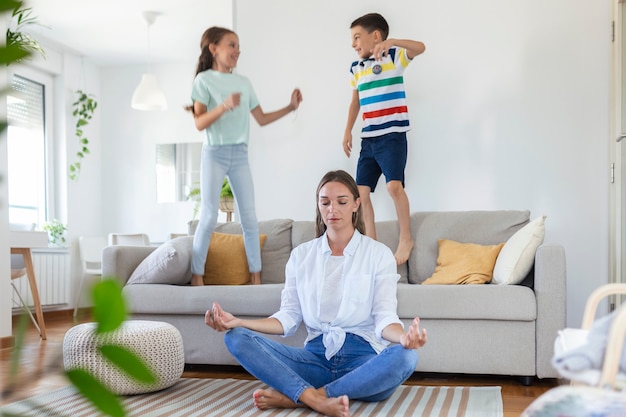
[[148, 96]]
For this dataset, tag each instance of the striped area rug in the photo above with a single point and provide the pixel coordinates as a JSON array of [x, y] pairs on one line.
[[195, 397]]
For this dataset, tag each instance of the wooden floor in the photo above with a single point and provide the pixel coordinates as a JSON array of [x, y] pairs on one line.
[[40, 370]]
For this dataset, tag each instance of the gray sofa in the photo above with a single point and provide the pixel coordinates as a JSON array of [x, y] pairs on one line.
[[472, 329]]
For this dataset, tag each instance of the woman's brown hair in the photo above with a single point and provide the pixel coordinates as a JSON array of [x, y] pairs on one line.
[[346, 179]]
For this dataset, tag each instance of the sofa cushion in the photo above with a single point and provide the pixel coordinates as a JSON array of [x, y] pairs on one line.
[[388, 232], [242, 300], [275, 251], [464, 263], [170, 263], [466, 302], [226, 261], [302, 231], [518, 254], [481, 227]]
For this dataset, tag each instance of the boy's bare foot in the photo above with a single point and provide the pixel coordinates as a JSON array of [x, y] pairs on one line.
[[403, 251], [265, 399], [197, 280], [255, 278]]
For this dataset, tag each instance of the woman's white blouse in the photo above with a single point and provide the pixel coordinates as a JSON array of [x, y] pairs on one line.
[[369, 298]]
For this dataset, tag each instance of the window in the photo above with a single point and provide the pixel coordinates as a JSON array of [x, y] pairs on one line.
[[28, 145]]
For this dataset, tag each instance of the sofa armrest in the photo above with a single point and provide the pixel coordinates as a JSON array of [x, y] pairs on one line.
[[551, 292], [119, 261]]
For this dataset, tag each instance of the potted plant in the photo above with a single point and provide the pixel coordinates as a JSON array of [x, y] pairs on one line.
[[227, 200], [56, 232]]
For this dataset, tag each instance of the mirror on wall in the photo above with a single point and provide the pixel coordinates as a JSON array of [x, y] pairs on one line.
[[177, 170]]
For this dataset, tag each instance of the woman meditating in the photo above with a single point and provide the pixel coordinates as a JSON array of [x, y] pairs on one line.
[[342, 285]]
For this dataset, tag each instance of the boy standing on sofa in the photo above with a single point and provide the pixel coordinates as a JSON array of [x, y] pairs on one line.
[[378, 89]]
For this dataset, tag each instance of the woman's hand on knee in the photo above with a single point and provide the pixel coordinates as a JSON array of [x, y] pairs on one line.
[[219, 319], [414, 338]]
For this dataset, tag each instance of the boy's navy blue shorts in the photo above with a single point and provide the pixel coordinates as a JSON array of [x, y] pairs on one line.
[[382, 155]]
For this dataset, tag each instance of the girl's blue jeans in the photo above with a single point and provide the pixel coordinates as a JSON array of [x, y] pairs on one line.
[[218, 162], [356, 370]]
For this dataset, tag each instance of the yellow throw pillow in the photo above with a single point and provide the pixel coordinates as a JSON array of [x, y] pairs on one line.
[[464, 263], [226, 261]]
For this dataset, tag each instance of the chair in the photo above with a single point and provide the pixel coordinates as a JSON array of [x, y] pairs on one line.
[[592, 392], [609, 376], [18, 270], [90, 249], [129, 239]]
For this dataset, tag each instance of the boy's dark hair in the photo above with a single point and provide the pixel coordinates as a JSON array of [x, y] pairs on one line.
[[371, 22]]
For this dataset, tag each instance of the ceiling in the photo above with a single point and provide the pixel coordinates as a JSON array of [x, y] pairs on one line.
[[113, 32]]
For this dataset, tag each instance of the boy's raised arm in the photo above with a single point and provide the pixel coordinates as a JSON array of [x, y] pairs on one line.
[[413, 48]]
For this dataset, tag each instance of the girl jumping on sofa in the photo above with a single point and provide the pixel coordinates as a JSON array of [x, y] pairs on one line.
[[342, 285], [221, 103]]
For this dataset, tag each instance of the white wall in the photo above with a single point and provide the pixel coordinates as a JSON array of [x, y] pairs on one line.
[[509, 107], [129, 144]]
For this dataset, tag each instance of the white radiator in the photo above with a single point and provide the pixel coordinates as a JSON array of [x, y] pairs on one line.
[[53, 275]]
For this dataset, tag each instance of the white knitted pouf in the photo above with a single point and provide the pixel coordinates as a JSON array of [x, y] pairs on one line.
[[158, 344]]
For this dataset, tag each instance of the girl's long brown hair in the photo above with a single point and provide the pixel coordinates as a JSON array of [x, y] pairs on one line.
[[346, 179], [210, 36]]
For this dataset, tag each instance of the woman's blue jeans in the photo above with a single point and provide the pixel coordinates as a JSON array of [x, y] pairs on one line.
[[356, 370], [218, 162]]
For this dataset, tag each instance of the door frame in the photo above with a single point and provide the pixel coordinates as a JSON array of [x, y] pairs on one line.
[[616, 167]]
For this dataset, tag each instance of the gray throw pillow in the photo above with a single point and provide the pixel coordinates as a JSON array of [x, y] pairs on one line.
[[170, 263]]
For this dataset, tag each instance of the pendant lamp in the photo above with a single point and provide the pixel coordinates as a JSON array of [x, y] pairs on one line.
[[148, 96]]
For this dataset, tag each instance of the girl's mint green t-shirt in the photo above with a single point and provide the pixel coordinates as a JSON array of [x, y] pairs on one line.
[[212, 88]]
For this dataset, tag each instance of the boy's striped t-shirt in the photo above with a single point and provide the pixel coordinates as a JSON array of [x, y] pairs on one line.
[[381, 93]]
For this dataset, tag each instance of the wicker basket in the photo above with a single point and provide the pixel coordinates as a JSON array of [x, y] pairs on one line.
[[227, 204]]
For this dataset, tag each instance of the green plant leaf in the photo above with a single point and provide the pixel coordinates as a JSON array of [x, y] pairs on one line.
[[94, 391], [109, 308], [12, 53], [9, 5], [128, 362], [84, 108]]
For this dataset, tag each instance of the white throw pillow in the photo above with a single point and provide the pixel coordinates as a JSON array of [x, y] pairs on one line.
[[170, 263], [518, 254]]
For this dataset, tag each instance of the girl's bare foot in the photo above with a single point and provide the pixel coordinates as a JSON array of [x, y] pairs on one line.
[[197, 280], [255, 278], [403, 251]]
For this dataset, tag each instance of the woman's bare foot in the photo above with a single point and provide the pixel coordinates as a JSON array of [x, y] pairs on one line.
[[255, 278], [197, 280], [403, 251], [265, 399], [332, 407]]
